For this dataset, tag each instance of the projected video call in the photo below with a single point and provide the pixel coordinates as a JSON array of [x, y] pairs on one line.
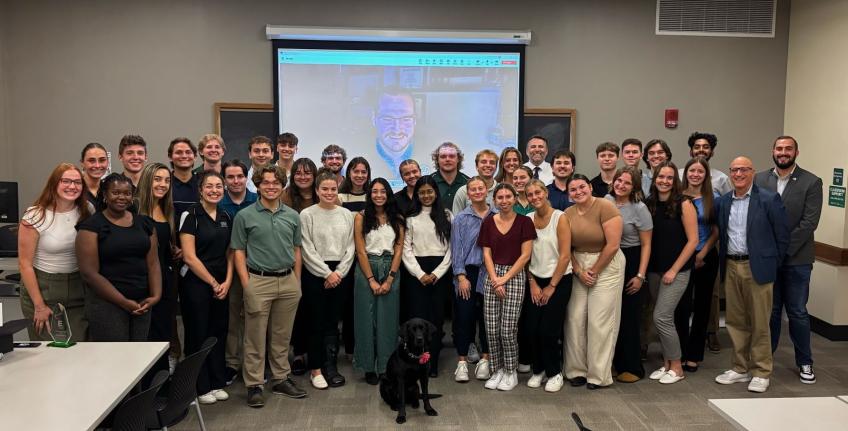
[[388, 106]]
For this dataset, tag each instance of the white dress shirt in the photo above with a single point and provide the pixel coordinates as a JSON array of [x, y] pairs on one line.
[[546, 172]]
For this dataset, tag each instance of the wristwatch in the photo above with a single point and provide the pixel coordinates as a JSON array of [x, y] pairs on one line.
[[641, 276], [392, 274]]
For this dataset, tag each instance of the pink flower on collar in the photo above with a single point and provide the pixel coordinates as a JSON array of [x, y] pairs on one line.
[[425, 357]]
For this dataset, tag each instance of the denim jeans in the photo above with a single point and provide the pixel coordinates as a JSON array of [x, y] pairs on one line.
[[791, 291]]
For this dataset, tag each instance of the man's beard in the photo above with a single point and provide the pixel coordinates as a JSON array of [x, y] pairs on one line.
[[785, 165]]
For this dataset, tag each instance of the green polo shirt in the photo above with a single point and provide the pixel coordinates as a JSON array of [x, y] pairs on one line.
[[447, 191], [268, 237]]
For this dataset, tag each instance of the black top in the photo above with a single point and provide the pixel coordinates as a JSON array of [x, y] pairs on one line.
[[404, 202], [667, 240], [122, 252], [163, 236], [185, 195], [599, 187], [211, 238]]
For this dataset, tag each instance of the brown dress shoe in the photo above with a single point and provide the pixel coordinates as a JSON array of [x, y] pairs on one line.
[[626, 377]]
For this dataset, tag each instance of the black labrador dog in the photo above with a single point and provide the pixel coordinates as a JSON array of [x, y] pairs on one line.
[[408, 367]]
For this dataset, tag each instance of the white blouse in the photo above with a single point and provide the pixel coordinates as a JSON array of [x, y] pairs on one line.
[[380, 240], [421, 240]]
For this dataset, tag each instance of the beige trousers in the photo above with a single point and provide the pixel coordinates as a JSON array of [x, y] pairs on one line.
[[269, 306], [747, 319], [235, 331], [592, 321]]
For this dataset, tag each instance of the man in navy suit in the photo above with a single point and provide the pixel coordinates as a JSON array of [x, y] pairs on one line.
[[754, 236], [801, 192]]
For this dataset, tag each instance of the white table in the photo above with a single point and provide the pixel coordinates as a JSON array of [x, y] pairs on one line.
[[48, 388], [775, 414]]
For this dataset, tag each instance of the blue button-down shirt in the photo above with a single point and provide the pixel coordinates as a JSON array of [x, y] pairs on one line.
[[737, 226], [464, 248]]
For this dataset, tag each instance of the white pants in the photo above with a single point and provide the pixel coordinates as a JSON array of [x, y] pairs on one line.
[[592, 323]]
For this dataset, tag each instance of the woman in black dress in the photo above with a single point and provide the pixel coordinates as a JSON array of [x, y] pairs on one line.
[[118, 259], [155, 201]]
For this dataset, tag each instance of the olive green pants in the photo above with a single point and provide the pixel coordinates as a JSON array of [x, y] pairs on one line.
[[67, 289]]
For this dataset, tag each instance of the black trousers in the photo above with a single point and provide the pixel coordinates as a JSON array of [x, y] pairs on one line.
[[427, 302], [300, 335], [544, 327], [627, 356], [696, 301], [323, 308], [162, 317], [468, 316], [347, 311], [205, 316]]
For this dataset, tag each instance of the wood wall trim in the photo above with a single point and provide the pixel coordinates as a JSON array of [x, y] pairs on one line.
[[831, 254]]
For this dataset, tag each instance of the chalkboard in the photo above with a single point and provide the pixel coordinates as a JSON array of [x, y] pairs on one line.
[[237, 123], [555, 125]]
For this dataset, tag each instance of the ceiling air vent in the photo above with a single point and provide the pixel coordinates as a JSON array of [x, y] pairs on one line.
[[734, 18]]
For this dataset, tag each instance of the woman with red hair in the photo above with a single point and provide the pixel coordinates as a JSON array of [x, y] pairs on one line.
[[46, 255]]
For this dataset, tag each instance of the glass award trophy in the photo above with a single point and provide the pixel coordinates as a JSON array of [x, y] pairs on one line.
[[60, 327]]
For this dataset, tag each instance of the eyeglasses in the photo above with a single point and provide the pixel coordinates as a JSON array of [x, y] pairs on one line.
[[388, 120], [742, 170], [67, 182]]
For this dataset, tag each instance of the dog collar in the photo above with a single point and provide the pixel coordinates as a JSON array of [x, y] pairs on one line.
[[422, 358]]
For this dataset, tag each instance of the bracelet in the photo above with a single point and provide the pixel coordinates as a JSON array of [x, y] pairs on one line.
[[640, 276], [371, 278]]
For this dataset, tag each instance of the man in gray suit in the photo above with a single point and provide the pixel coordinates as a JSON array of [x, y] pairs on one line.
[[801, 192]]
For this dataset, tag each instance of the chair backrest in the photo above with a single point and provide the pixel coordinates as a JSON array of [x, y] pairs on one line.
[[131, 415], [182, 390]]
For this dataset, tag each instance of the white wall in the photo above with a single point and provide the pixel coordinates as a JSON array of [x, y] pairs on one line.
[[93, 71], [816, 89]]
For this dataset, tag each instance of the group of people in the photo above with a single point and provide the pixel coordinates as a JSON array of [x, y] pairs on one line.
[[527, 257]]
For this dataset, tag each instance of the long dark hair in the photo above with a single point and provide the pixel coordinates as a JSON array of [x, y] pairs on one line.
[[437, 211], [296, 198], [369, 215], [706, 187], [106, 183], [675, 198], [347, 185]]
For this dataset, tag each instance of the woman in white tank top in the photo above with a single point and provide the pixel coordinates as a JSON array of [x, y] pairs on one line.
[[550, 288]]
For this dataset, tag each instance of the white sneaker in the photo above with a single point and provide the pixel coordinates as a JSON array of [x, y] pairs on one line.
[[461, 373], [656, 375], [318, 382], [473, 354], [554, 383], [509, 381], [495, 380], [807, 375], [671, 377], [758, 384], [536, 380], [730, 377], [482, 371], [220, 394], [207, 398], [524, 368]]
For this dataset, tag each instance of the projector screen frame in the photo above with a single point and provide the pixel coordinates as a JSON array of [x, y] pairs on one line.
[[396, 46]]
